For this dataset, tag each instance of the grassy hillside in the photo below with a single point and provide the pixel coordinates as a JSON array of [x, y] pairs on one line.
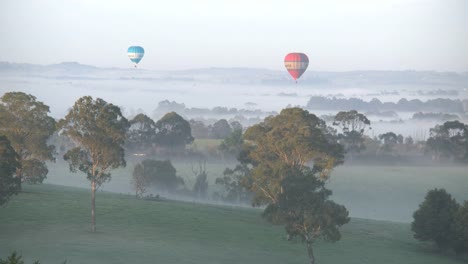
[[372, 192], [51, 223]]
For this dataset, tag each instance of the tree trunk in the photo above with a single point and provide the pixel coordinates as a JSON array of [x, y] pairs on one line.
[[310, 252], [19, 174], [93, 206]]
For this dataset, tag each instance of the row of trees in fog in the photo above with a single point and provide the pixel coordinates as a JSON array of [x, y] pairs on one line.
[[25, 123], [414, 105], [29, 130], [173, 132], [276, 161], [283, 162], [351, 127], [171, 106]]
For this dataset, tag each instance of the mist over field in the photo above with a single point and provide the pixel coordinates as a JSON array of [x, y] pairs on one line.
[[257, 93], [256, 132], [389, 193], [260, 91]]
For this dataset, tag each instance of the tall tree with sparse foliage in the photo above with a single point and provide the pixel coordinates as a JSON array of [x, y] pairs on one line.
[[140, 180], [27, 124], [9, 184], [231, 146], [281, 148], [353, 125], [99, 129], [294, 138], [449, 140], [389, 141], [200, 188], [233, 185]]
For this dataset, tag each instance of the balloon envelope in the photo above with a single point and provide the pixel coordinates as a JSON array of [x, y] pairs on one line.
[[296, 63], [135, 53]]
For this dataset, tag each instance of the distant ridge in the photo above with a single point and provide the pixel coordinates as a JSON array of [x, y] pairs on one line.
[[245, 75], [72, 65], [64, 66]]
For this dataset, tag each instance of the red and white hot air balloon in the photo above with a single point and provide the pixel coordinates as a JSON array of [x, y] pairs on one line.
[[296, 63]]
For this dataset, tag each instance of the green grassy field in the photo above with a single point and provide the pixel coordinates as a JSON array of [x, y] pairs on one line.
[[205, 144], [372, 192], [51, 223], [391, 192]]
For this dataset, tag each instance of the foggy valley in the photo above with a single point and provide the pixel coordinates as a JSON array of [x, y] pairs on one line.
[[234, 132], [250, 95], [374, 186]]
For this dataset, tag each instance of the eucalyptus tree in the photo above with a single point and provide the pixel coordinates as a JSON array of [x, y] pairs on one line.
[[449, 140], [173, 131], [389, 141], [353, 125], [306, 211], [231, 146], [139, 180], [98, 129], [141, 134], [233, 186], [290, 157], [25, 121], [294, 139]]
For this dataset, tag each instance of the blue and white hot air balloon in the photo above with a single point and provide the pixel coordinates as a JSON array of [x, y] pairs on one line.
[[135, 53]]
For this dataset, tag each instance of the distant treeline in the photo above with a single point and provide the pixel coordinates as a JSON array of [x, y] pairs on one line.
[[435, 116], [168, 106], [439, 104]]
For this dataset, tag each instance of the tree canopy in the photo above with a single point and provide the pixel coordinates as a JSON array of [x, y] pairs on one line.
[[435, 217], [280, 153], [232, 183], [389, 140], [27, 124], [159, 174], [353, 125], [292, 139], [9, 184], [306, 211], [461, 229], [99, 130], [232, 145], [141, 134], [449, 140], [173, 131], [199, 130], [221, 129]]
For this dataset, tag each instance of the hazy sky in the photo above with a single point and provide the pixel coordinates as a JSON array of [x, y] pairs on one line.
[[338, 35]]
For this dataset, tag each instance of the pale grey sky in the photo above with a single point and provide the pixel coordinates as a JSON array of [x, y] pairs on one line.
[[337, 35]]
